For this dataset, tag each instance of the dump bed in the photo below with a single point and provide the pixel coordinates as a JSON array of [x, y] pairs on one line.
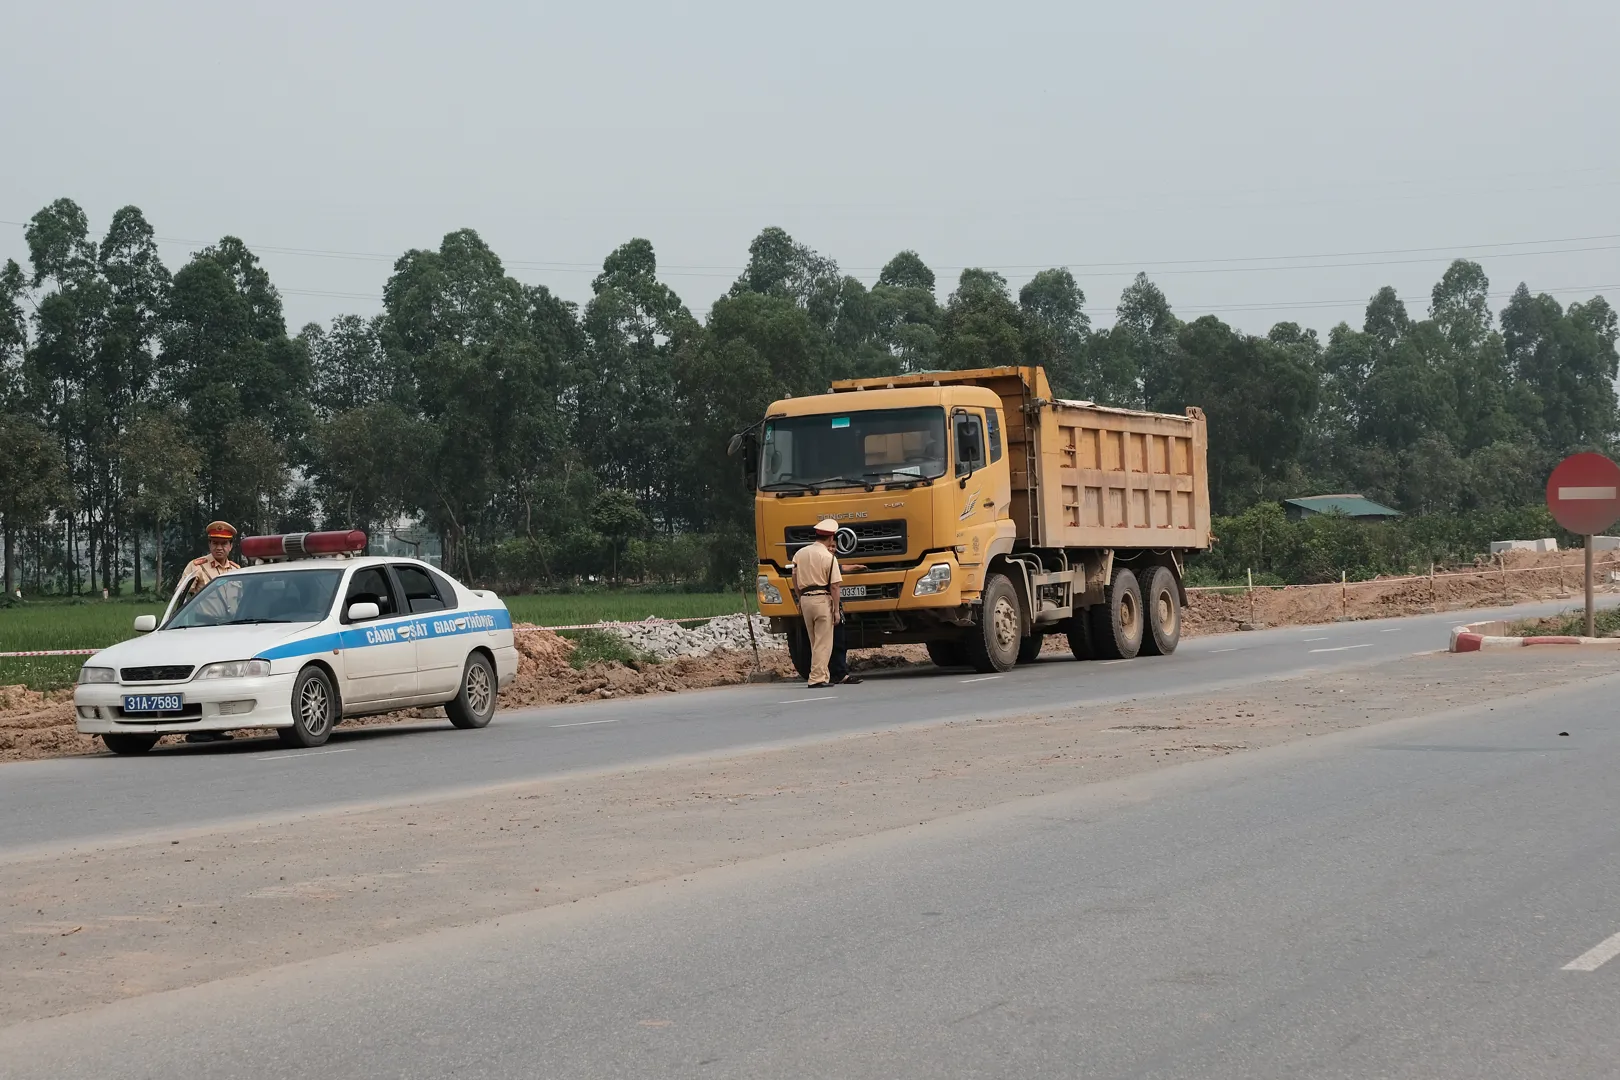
[[1088, 476]]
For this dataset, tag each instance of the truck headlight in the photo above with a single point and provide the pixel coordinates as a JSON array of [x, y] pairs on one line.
[[236, 669], [768, 593], [97, 675], [937, 580]]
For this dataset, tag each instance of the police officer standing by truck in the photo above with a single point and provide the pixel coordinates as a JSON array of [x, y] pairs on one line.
[[816, 581]]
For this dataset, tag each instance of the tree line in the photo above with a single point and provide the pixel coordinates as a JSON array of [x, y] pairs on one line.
[[541, 441]]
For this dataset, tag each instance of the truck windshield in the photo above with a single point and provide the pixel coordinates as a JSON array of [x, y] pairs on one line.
[[849, 448], [279, 596]]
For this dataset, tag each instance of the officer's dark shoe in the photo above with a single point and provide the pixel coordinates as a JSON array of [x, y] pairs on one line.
[[850, 680], [817, 685]]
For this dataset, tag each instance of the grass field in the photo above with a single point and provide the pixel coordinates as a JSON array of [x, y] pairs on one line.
[[94, 624]]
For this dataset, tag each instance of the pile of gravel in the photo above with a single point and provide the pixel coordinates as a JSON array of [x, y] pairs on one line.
[[669, 640]]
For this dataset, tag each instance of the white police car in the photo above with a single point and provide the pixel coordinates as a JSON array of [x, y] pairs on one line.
[[297, 642]]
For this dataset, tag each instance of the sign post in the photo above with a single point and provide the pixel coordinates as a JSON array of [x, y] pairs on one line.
[[1583, 494]]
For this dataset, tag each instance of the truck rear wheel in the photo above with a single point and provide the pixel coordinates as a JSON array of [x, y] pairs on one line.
[[946, 654], [798, 642], [993, 645], [1117, 623], [1161, 600], [1029, 650]]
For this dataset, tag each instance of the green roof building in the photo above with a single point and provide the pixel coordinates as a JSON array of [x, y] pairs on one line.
[[1351, 506]]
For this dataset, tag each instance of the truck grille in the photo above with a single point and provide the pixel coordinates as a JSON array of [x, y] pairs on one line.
[[872, 538], [168, 673]]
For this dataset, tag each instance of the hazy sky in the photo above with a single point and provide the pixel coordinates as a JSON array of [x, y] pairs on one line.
[[1104, 137]]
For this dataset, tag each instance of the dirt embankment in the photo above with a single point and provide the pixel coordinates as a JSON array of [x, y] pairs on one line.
[[1519, 577]]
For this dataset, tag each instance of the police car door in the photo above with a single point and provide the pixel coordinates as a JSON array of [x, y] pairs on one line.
[[379, 655], [440, 652]]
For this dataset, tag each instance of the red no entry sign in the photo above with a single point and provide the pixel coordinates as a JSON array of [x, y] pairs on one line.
[[1583, 493]]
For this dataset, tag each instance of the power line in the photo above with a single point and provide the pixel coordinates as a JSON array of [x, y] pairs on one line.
[[1161, 266]]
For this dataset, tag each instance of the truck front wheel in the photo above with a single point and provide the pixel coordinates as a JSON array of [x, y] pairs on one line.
[[1117, 623], [994, 643], [798, 641]]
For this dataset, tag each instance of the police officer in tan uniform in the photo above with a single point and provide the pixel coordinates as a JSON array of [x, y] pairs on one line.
[[200, 571], [815, 590]]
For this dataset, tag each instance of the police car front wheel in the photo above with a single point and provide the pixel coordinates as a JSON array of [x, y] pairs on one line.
[[474, 705], [314, 710]]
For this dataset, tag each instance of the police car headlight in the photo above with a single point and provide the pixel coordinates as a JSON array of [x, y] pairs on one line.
[[768, 593], [937, 580], [97, 675], [236, 669]]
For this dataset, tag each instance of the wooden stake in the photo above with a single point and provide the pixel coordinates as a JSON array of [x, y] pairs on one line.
[[1434, 601], [749, 615], [1344, 594], [1251, 596], [1501, 564]]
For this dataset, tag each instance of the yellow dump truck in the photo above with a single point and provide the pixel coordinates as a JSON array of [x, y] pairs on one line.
[[987, 514]]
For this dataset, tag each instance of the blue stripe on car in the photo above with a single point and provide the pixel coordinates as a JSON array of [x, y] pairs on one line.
[[396, 632]]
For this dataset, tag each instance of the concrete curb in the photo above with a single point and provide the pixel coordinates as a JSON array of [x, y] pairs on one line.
[[1491, 635]]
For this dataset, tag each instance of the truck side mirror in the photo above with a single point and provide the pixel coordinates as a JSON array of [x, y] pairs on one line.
[[734, 445], [969, 446]]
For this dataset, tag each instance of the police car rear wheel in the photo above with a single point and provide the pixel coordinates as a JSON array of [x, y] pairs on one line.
[[314, 710], [474, 706]]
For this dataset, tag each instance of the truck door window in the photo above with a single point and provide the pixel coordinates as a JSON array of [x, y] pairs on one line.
[[993, 428], [969, 444]]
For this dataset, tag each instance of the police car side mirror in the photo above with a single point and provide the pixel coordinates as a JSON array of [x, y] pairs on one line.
[[363, 612], [145, 624]]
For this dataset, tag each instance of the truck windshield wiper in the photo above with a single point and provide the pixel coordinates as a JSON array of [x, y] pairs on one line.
[[855, 480], [787, 485], [896, 476]]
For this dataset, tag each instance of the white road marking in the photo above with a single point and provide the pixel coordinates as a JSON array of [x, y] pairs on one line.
[[982, 678], [1106, 663], [802, 700], [307, 753], [1596, 956], [1342, 648], [588, 723], [1222, 650], [1316, 639], [1391, 630]]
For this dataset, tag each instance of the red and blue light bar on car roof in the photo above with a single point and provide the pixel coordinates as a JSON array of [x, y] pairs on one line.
[[304, 545]]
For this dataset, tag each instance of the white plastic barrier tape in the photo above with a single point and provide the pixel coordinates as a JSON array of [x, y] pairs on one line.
[[51, 652]]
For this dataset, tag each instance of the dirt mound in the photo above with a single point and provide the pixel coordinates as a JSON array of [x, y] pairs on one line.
[[541, 652], [35, 725]]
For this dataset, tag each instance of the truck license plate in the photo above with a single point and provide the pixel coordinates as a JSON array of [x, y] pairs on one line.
[[852, 592], [151, 703]]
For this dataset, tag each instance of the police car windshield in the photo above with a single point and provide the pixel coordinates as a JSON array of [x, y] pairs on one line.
[[275, 596], [833, 449]]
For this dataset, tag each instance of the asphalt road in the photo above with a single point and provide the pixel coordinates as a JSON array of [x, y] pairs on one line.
[[1401, 900], [50, 804]]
